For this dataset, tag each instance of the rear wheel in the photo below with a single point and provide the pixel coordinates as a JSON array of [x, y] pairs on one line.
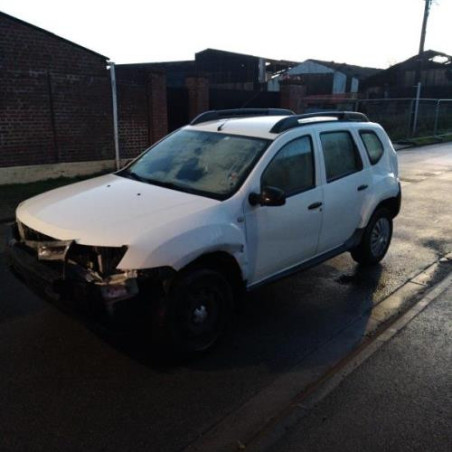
[[376, 239], [195, 312]]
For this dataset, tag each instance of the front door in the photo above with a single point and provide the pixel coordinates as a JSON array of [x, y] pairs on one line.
[[281, 237]]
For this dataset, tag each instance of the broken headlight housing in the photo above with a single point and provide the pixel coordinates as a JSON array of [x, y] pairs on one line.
[[100, 259]]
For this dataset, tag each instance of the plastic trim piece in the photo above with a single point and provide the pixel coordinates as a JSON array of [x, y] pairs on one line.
[[324, 116]]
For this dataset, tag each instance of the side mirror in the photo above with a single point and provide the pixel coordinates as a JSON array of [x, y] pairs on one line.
[[270, 196]]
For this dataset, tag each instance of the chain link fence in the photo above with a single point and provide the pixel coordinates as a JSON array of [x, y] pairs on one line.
[[398, 115], [399, 118]]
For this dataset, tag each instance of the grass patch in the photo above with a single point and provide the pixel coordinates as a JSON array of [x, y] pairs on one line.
[[13, 194], [424, 141]]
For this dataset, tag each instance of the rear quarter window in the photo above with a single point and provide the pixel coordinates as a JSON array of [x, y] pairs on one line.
[[374, 146]]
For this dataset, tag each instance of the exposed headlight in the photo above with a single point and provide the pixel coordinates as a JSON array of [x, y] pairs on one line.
[[53, 251]]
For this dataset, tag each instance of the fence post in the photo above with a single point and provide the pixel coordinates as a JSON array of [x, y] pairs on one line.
[[435, 128], [416, 107]]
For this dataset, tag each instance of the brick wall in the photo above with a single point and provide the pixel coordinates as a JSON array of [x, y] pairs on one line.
[[55, 103], [27, 47], [292, 96], [142, 108], [157, 105], [198, 95], [133, 118], [26, 135]]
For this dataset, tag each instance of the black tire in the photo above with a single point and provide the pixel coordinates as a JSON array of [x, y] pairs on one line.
[[376, 239], [194, 314]]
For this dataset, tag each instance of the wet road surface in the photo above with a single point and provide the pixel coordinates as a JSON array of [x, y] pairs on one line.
[[66, 386]]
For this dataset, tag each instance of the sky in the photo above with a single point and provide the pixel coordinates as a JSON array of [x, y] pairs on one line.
[[374, 33]]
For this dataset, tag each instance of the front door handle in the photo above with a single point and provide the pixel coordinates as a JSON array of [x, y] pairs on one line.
[[314, 205], [362, 187]]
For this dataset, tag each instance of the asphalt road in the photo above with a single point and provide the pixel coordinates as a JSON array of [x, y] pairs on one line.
[[66, 386], [398, 400]]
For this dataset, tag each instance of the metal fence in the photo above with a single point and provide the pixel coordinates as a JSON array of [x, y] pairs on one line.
[[408, 118], [403, 118]]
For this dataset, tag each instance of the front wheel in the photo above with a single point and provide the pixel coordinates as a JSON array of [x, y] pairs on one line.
[[376, 239], [195, 312]]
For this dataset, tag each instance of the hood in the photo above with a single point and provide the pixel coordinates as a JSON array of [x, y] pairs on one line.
[[108, 210]]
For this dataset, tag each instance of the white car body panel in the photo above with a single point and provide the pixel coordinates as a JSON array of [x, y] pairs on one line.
[[107, 211], [165, 227]]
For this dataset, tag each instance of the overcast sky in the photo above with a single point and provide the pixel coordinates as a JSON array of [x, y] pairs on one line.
[[375, 33]]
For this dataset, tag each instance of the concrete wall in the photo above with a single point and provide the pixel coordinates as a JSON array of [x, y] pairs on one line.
[[33, 173]]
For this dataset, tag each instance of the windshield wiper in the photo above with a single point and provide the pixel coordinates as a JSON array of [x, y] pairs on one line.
[[163, 184], [132, 175]]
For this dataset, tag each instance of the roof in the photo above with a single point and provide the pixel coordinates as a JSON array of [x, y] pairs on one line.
[[42, 30], [242, 55], [360, 72], [161, 65], [250, 126], [269, 127], [429, 59]]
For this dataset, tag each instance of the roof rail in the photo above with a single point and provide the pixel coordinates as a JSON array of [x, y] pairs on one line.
[[294, 120], [212, 115]]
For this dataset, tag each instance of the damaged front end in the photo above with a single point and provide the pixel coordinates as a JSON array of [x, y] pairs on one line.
[[65, 269]]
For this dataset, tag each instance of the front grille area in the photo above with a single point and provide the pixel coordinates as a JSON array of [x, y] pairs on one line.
[[27, 233], [102, 260]]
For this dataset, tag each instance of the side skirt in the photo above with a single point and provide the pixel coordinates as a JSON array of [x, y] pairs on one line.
[[346, 246]]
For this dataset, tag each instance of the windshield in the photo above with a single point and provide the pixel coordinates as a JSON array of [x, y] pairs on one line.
[[207, 163]]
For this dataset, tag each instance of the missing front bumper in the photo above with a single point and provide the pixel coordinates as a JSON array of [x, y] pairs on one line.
[[57, 278]]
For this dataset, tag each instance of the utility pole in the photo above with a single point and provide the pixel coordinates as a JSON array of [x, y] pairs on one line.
[[428, 4]]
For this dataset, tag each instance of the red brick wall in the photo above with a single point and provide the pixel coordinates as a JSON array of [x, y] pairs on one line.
[[55, 99], [25, 123], [132, 118], [292, 96], [27, 47], [142, 109], [157, 105], [198, 95]]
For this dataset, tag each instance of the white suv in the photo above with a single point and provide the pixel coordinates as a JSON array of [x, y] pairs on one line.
[[234, 200]]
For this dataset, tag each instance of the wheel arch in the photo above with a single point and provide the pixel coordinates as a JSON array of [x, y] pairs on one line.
[[222, 262], [392, 205]]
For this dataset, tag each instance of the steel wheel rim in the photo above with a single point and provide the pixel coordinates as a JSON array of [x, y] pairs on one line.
[[379, 238], [200, 318]]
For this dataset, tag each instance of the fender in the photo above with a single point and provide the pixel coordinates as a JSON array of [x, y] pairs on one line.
[[182, 248]]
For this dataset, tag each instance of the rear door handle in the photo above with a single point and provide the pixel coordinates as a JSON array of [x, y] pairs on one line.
[[314, 205], [362, 187]]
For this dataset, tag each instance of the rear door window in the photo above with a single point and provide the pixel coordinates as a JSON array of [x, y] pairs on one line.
[[340, 154]]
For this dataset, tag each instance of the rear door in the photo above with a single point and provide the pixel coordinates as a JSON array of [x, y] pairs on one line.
[[346, 186]]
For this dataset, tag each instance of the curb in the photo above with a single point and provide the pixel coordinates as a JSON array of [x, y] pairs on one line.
[[264, 419], [304, 402]]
